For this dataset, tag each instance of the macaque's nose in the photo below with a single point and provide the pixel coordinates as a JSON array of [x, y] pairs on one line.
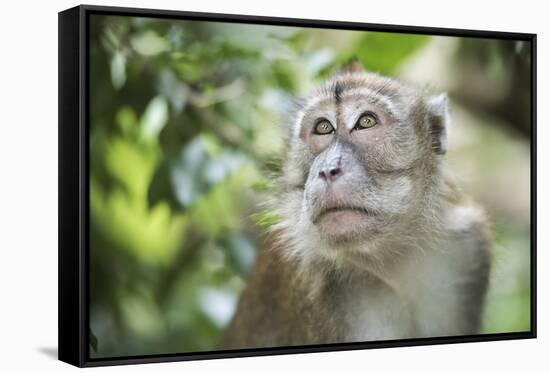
[[330, 174]]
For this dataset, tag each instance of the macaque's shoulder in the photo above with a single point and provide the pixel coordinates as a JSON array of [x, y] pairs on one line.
[[462, 213], [467, 222], [266, 304], [273, 261]]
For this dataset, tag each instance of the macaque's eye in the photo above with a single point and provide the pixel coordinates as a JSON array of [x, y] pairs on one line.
[[366, 120], [323, 127]]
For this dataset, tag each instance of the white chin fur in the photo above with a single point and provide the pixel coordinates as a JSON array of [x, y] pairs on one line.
[[331, 239]]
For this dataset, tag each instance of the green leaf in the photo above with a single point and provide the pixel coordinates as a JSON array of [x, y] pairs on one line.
[[220, 210], [149, 43], [126, 120], [383, 52], [151, 235], [155, 117], [286, 75], [118, 70]]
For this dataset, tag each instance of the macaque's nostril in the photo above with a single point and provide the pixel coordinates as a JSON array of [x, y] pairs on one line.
[[331, 174]]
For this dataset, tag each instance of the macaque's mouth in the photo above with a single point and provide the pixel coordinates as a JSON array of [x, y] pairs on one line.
[[355, 209]]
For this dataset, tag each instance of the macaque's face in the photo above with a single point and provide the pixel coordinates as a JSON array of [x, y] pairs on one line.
[[358, 149]]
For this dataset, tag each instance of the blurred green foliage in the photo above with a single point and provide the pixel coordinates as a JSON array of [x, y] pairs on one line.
[[391, 50], [184, 138]]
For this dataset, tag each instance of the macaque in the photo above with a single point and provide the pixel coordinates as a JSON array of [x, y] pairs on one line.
[[375, 241]]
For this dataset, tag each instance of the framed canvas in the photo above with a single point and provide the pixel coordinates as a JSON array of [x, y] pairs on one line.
[[235, 186]]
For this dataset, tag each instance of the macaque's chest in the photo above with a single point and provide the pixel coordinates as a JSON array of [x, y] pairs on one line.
[[425, 302]]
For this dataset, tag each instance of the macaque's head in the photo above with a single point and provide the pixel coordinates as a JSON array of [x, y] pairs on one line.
[[363, 158]]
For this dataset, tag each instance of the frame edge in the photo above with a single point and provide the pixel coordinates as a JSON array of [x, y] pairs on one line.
[[70, 332]]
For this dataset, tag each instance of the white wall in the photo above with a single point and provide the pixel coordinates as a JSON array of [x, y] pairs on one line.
[[28, 184]]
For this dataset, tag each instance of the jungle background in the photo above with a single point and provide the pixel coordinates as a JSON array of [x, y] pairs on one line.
[[185, 131]]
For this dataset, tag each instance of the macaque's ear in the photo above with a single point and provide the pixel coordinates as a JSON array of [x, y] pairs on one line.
[[439, 122], [352, 66]]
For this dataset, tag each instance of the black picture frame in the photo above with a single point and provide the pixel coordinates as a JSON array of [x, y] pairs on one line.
[[73, 75]]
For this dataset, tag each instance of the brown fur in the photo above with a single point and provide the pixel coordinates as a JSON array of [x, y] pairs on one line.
[[279, 309]]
